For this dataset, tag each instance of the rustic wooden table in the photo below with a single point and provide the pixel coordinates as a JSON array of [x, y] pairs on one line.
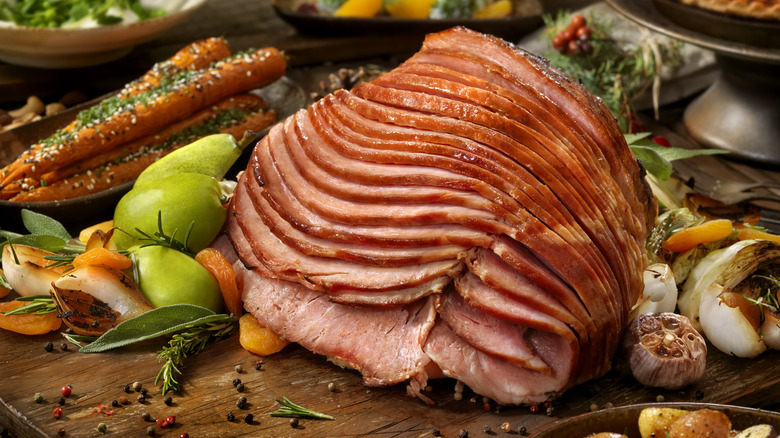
[[208, 395]]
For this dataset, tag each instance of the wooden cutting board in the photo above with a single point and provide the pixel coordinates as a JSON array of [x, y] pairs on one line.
[[208, 394]]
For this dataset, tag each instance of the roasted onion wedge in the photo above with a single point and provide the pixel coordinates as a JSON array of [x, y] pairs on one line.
[[93, 299], [27, 270]]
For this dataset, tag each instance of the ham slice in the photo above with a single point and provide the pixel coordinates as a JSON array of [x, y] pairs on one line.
[[473, 213]]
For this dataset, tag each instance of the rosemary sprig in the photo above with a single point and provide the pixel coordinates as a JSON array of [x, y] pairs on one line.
[[39, 305], [187, 343], [162, 239], [290, 409]]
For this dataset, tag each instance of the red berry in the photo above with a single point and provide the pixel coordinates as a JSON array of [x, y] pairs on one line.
[[184, 435], [573, 48], [534, 409], [65, 391], [577, 20], [486, 406], [661, 141], [170, 419], [558, 42], [57, 412], [161, 422], [566, 35], [583, 33]]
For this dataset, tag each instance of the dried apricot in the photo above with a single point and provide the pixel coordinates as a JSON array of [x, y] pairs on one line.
[[28, 324], [257, 339], [102, 257], [754, 234], [219, 266], [688, 238]]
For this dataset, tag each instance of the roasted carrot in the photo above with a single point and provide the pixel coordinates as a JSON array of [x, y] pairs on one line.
[[116, 121], [195, 56], [113, 173]]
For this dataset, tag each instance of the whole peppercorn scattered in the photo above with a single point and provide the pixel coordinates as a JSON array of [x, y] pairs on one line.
[[61, 432], [239, 369], [660, 398], [171, 419], [436, 432], [487, 429], [230, 416], [485, 406], [161, 422], [65, 390], [258, 365], [236, 382], [240, 387], [168, 400], [506, 427], [61, 400], [115, 403], [137, 386], [293, 423], [143, 391], [64, 346], [141, 398], [248, 418], [550, 411], [57, 413], [127, 389], [534, 408], [241, 403], [146, 417], [48, 346], [123, 400], [593, 407], [522, 431], [699, 395], [37, 398], [184, 435], [150, 431], [463, 433], [102, 427], [331, 387]]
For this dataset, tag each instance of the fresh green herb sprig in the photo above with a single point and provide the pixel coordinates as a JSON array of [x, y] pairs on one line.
[[188, 343], [616, 71], [38, 305], [59, 13], [290, 409], [45, 233]]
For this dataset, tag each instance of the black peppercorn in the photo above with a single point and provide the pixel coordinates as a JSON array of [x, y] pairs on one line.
[[436, 432], [168, 400], [293, 423], [61, 400], [64, 346], [115, 403], [141, 398], [248, 418], [48, 346], [463, 433], [61, 432], [522, 431], [240, 387], [150, 431], [241, 403], [258, 365], [143, 391], [487, 429], [230, 416], [146, 417], [127, 389], [236, 382], [699, 395]]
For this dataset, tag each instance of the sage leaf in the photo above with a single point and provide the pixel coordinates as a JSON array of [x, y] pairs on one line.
[[37, 223], [653, 162], [154, 323], [42, 241]]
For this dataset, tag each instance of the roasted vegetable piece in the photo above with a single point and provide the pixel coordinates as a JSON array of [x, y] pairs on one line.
[[758, 431], [27, 324], [688, 238], [655, 422], [664, 350], [28, 271], [258, 339], [701, 423]]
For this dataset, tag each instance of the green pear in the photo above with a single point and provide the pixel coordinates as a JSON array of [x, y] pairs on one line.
[[212, 155]]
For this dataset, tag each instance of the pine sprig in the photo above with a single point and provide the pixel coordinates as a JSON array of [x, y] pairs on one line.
[[187, 343], [616, 71], [290, 409]]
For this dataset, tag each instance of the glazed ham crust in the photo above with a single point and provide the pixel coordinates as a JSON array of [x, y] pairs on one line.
[[473, 213]]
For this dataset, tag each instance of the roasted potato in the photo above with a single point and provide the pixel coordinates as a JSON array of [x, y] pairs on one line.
[[654, 422]]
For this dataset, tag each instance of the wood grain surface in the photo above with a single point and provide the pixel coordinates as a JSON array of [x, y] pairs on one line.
[[208, 394]]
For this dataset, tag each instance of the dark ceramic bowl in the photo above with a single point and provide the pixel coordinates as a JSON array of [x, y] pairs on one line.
[[623, 419]]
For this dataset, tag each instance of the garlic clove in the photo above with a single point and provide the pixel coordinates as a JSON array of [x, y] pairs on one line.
[[27, 271], [664, 350], [727, 327], [660, 292], [93, 299]]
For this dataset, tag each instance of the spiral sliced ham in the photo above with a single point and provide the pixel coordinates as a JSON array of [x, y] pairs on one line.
[[473, 213]]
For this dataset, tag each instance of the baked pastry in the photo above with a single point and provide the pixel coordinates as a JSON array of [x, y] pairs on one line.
[[760, 9]]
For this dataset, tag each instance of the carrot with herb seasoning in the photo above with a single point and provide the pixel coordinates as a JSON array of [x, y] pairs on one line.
[[234, 115], [116, 121]]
